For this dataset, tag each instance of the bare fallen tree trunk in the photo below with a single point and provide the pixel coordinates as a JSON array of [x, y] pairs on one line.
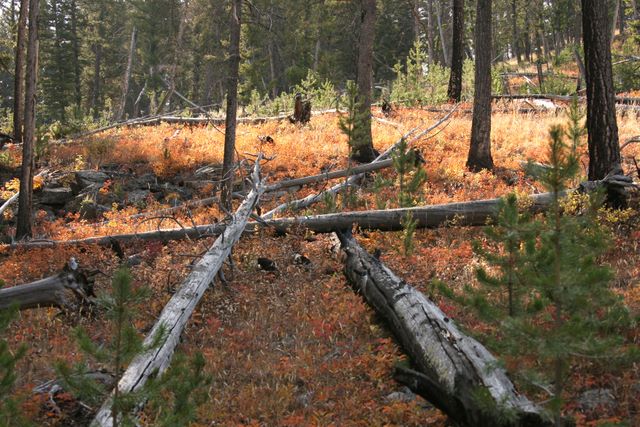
[[176, 313], [298, 182], [68, 290], [566, 98], [455, 367], [461, 214]]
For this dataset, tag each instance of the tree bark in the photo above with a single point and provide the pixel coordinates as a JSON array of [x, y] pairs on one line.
[[604, 148], [127, 77], [457, 52], [25, 200], [18, 88], [480, 150], [232, 104], [178, 310], [68, 291], [362, 148], [455, 366]]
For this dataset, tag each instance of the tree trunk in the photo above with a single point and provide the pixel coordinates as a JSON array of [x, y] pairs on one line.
[[604, 148], [95, 101], [362, 148], [232, 104], [457, 52], [443, 41], [25, 200], [127, 77], [614, 21], [76, 55], [480, 151], [68, 291], [514, 30], [18, 88], [455, 367], [178, 310], [527, 36], [430, 43]]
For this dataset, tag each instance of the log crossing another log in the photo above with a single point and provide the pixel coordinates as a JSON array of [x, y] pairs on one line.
[[354, 179], [455, 367], [176, 313]]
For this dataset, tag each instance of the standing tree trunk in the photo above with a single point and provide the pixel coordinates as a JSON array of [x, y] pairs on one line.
[[443, 43], [430, 47], [18, 88], [604, 148], [127, 77], [95, 101], [26, 177], [457, 52], [362, 147], [76, 54], [232, 104], [480, 150], [527, 36], [514, 30]]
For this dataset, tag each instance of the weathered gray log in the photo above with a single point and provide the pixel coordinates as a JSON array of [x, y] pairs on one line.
[[68, 290], [176, 313], [297, 182], [455, 367], [462, 214], [566, 98], [353, 180]]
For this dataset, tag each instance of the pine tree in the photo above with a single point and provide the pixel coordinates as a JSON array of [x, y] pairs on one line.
[[10, 413], [126, 343], [560, 307]]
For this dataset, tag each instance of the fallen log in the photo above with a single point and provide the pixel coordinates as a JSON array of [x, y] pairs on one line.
[[565, 98], [316, 197], [472, 213], [69, 290], [176, 313], [454, 367], [298, 182]]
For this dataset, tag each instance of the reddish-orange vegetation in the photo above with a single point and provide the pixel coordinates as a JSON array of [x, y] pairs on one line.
[[297, 346]]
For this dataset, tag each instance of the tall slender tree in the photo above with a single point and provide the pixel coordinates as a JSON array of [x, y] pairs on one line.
[[604, 147], [480, 151], [362, 145], [18, 83], [26, 178], [457, 52], [232, 103]]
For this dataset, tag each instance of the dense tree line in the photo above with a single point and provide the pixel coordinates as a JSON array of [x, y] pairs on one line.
[[181, 45]]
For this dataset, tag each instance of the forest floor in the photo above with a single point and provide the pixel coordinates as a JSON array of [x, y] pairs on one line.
[[297, 346]]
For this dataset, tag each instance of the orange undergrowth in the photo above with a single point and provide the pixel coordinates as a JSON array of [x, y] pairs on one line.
[[298, 347]]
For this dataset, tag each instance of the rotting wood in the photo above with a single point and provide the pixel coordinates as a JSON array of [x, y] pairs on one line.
[[455, 366], [316, 197], [69, 290], [176, 313]]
